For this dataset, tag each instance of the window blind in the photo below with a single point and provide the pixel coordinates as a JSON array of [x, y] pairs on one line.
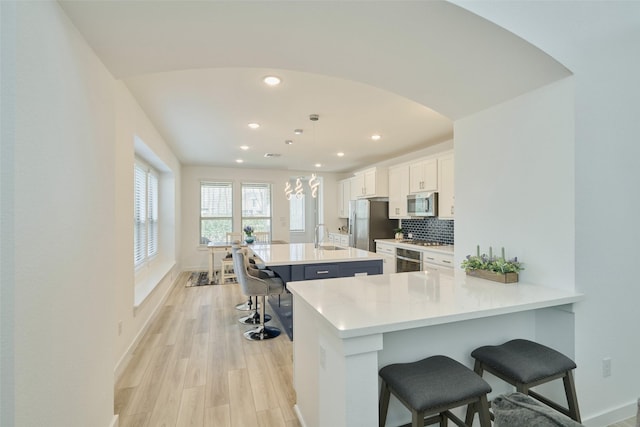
[[216, 211], [145, 213], [256, 206], [152, 214], [140, 215]]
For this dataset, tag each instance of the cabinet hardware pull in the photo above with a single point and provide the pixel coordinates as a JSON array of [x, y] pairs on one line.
[[430, 258], [322, 272], [446, 262]]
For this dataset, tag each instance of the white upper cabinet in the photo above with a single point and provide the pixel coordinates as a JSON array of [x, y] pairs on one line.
[[344, 196], [372, 182], [446, 189], [398, 191], [423, 176]]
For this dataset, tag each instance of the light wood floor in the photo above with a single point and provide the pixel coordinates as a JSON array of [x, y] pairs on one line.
[[631, 422], [194, 368]]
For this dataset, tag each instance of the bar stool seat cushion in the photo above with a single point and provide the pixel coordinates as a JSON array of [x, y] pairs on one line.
[[433, 382], [524, 361]]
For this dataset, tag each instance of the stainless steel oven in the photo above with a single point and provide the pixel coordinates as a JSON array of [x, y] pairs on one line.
[[408, 260]]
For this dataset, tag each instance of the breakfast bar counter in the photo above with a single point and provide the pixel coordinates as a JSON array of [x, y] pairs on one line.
[[348, 328]]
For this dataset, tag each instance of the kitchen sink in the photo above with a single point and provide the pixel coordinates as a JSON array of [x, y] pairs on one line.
[[332, 248]]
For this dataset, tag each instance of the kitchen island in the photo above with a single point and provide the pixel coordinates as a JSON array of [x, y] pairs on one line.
[[346, 329], [304, 261]]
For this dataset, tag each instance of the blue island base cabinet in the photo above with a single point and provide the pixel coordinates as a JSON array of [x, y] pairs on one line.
[[283, 305], [298, 272]]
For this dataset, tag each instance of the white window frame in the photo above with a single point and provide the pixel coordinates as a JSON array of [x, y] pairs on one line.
[[146, 182]]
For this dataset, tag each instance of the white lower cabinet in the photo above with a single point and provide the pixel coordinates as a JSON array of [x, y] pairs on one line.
[[339, 239], [388, 253], [436, 260]]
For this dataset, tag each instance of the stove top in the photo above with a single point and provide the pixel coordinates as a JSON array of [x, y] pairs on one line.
[[423, 243]]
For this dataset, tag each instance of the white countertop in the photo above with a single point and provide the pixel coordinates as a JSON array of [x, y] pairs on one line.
[[445, 249], [306, 253], [365, 305]]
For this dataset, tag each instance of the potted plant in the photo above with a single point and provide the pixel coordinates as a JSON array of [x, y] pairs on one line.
[[248, 231], [498, 269], [399, 233]]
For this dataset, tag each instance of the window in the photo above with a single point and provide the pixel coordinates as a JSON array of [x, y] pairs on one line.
[[297, 214], [216, 211], [256, 206], [145, 213]]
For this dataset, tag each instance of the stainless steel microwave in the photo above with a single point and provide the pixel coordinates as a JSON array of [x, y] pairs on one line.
[[422, 204]]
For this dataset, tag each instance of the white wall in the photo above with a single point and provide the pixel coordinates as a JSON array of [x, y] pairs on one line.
[[132, 122], [65, 253], [194, 257], [72, 276], [514, 183], [598, 41]]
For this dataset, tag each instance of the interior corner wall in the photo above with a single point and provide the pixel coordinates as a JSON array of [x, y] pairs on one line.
[[65, 225], [515, 183]]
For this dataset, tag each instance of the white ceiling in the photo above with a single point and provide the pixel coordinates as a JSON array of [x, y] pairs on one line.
[[365, 67]]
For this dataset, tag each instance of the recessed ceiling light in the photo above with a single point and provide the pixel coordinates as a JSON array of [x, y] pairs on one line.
[[244, 147], [272, 80], [239, 160], [253, 125], [318, 165], [288, 142], [341, 154], [375, 137], [297, 131]]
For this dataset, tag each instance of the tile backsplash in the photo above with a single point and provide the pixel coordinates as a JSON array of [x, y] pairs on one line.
[[433, 229]]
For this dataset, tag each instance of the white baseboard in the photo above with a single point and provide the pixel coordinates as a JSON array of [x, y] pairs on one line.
[[613, 416], [114, 421], [299, 415]]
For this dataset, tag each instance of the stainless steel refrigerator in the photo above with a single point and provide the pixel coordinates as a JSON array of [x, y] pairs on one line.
[[369, 220]]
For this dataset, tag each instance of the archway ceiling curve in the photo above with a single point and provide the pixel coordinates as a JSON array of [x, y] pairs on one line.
[[432, 53]]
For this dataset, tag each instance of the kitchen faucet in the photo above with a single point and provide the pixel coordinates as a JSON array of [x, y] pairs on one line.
[[316, 238]]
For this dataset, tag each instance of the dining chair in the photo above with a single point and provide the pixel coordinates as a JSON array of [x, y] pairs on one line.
[[262, 237], [234, 237]]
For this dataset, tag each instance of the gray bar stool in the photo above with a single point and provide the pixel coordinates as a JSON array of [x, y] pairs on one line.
[[525, 364], [259, 288], [431, 387]]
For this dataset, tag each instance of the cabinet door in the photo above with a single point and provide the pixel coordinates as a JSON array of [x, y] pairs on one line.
[[357, 186], [344, 196], [446, 193], [430, 175], [423, 176], [398, 190], [388, 264], [416, 177], [370, 183]]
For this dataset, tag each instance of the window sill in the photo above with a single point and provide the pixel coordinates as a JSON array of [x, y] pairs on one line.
[[148, 278]]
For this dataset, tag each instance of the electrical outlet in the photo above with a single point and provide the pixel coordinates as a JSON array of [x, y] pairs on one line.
[[606, 367]]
